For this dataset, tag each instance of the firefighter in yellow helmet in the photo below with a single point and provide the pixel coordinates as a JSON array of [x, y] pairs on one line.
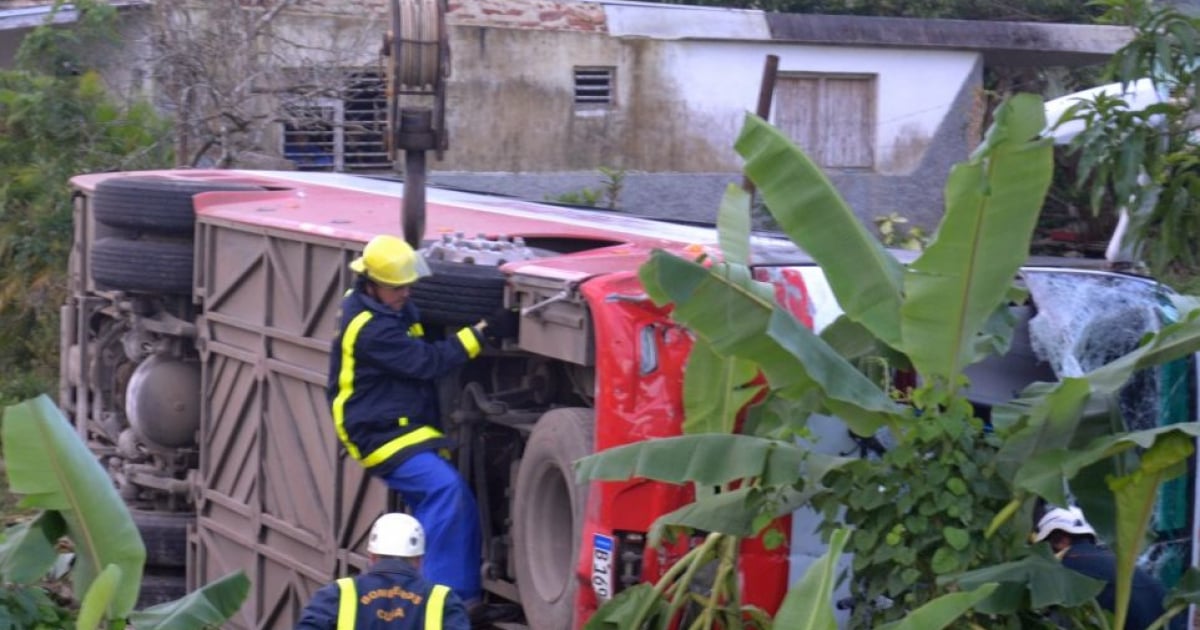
[[390, 261], [391, 594], [383, 399]]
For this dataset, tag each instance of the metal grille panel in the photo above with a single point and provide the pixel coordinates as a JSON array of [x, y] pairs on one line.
[[594, 86], [276, 496]]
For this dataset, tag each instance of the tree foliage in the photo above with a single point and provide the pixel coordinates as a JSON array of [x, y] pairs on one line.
[[56, 120], [1148, 160], [25, 607]]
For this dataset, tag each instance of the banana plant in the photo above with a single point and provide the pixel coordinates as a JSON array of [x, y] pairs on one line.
[[54, 471], [938, 315]]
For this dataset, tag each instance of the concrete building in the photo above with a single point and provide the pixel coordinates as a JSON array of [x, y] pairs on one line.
[[544, 92], [885, 105]]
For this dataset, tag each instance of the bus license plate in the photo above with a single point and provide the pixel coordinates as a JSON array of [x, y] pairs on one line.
[[602, 553]]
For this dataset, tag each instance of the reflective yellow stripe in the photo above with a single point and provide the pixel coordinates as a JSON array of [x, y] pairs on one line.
[[381, 454], [469, 341], [434, 607], [346, 380], [347, 607]]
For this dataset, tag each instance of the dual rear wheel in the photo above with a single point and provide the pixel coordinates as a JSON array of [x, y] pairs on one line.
[[151, 223], [548, 511]]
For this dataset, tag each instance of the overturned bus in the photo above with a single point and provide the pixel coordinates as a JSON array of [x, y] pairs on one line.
[[195, 347]]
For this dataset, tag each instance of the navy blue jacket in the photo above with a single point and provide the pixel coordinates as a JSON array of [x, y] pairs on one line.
[[381, 381], [391, 595], [1146, 595]]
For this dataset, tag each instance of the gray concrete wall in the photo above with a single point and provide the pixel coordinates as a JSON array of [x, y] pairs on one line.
[[916, 196]]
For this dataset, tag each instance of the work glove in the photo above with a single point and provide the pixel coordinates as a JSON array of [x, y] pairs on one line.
[[501, 324]]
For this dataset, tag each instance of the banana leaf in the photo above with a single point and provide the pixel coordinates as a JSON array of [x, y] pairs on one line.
[[1046, 473], [733, 225], [865, 278], [848, 393], [1174, 341], [850, 338], [1049, 417], [1164, 457], [943, 611], [98, 598], [207, 607], [632, 602], [1052, 413], [992, 205], [809, 604], [996, 336], [29, 549], [715, 389], [743, 512], [1135, 496], [51, 467], [708, 459], [781, 418], [1046, 581], [738, 317]]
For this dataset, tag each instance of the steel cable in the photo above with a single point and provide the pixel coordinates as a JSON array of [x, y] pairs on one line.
[[418, 49]]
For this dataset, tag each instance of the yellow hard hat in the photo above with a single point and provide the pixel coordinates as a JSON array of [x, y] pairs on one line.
[[390, 261]]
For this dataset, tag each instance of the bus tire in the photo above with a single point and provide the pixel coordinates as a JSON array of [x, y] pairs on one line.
[[548, 512], [458, 294], [165, 536], [160, 587], [139, 265], [154, 205]]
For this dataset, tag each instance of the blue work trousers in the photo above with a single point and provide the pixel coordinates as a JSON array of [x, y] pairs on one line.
[[445, 506]]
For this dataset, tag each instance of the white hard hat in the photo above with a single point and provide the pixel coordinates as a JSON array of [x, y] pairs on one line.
[[398, 535], [1069, 520]]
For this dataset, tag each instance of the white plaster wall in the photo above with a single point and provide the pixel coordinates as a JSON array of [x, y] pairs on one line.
[[916, 88], [330, 40]]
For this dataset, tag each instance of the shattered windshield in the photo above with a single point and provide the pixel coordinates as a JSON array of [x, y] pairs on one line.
[[1084, 321]]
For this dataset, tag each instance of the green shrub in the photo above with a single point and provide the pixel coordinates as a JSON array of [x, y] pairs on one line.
[[56, 120]]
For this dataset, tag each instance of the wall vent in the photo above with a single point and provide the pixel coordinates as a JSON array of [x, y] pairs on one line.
[[594, 86]]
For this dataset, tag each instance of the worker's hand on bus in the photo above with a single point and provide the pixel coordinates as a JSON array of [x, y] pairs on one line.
[[500, 324]]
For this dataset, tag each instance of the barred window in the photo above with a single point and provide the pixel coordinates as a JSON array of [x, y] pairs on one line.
[[343, 132]]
